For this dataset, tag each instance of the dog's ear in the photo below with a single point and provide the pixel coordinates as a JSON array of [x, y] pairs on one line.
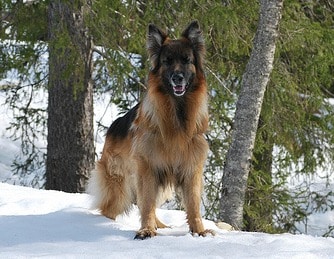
[[155, 39], [195, 36]]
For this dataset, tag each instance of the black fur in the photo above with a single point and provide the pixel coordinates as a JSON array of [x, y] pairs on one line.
[[181, 112], [163, 176], [120, 127]]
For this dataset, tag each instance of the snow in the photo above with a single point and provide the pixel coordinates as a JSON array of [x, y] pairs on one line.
[[51, 224], [8, 148]]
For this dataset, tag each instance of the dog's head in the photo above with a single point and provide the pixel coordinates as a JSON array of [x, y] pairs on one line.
[[176, 62]]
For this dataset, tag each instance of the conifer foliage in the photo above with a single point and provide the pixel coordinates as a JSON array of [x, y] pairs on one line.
[[69, 51]]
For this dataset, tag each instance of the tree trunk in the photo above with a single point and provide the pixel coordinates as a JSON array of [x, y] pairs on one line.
[[70, 150], [247, 114]]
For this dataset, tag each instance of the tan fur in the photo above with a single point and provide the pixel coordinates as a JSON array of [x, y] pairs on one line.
[[157, 154]]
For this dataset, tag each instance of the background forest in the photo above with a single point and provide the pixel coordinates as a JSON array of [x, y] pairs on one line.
[[103, 43]]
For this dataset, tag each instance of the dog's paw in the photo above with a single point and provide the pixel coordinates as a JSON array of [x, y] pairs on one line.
[[205, 233], [145, 233]]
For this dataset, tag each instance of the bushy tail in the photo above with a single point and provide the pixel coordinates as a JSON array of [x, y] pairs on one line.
[[111, 189]]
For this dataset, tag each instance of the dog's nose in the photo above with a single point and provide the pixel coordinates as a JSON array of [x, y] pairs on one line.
[[177, 78]]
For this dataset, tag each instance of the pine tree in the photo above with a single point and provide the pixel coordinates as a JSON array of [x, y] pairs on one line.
[[294, 133], [247, 114], [23, 48], [70, 151], [290, 130]]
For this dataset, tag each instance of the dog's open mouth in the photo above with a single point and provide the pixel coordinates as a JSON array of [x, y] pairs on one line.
[[179, 90]]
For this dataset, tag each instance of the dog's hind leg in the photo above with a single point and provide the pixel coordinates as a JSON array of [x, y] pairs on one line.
[[110, 184], [164, 194], [159, 224]]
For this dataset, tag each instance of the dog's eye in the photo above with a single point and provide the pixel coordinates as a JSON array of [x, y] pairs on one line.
[[167, 61], [187, 60]]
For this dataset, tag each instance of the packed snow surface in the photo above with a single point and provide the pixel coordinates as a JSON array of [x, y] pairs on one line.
[[52, 224]]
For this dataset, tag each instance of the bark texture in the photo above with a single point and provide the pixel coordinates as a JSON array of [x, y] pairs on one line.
[[254, 81], [70, 150]]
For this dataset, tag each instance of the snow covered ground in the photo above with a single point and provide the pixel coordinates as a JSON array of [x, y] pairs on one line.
[[51, 224], [38, 223]]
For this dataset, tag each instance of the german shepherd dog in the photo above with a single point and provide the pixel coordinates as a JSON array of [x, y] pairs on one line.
[[159, 145]]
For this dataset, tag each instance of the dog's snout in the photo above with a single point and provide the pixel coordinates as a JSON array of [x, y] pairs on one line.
[[177, 78]]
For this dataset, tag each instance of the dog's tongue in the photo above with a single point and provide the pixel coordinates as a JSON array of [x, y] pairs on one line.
[[179, 89]]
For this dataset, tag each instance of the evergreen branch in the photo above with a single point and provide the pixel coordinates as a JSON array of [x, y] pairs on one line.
[[219, 80]]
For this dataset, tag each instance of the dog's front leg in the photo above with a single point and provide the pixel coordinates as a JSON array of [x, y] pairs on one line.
[[192, 189], [146, 193]]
